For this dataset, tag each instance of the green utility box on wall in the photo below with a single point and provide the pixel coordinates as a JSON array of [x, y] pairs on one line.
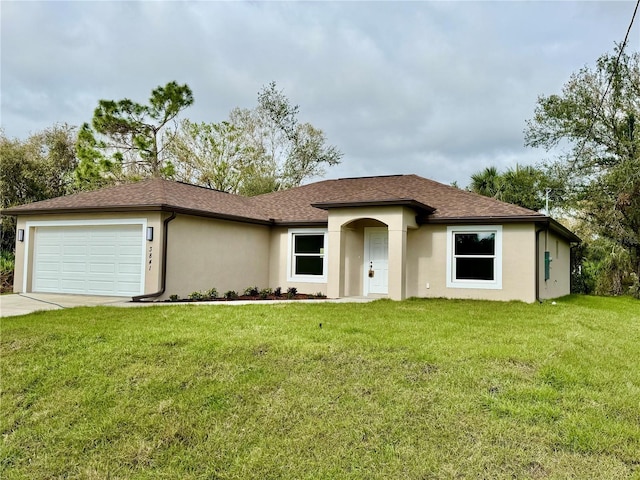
[[547, 265]]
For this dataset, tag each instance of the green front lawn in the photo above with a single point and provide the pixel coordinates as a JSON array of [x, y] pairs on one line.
[[409, 390]]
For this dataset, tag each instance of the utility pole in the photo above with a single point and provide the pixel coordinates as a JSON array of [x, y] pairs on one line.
[[546, 203]]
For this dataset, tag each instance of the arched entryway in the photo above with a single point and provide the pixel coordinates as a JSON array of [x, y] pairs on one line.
[[365, 258], [367, 250]]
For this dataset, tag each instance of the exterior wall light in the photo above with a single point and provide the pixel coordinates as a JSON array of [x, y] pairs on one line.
[[21, 235], [149, 233]]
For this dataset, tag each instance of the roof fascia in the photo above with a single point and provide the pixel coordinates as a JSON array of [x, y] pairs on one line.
[[404, 202], [563, 231], [138, 208], [481, 220], [294, 223], [537, 219]]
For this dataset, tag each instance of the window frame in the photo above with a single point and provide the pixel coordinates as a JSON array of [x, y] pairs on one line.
[[452, 281], [291, 255]]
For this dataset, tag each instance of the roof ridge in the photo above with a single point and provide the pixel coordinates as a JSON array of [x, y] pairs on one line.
[[370, 176]]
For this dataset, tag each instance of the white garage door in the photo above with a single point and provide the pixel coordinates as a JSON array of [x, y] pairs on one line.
[[90, 260]]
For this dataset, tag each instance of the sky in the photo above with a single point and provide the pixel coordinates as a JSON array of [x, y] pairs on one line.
[[441, 89]]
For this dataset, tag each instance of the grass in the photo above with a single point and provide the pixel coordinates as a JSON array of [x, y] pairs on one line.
[[417, 389]]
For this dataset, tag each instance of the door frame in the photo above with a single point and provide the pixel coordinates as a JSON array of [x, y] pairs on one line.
[[31, 226], [366, 258]]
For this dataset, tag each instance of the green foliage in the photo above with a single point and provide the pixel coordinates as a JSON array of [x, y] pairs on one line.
[[129, 139], [254, 151], [7, 265], [600, 168], [209, 154], [252, 291], [212, 293], [174, 297], [265, 292], [34, 169], [525, 186], [383, 390], [277, 291], [292, 292], [230, 295], [604, 268], [197, 295]]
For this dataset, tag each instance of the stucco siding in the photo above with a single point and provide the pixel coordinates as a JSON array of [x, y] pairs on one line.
[[427, 265], [279, 263], [207, 253], [559, 282]]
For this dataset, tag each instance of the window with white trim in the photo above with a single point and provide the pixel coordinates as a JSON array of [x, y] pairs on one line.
[[307, 255], [474, 256]]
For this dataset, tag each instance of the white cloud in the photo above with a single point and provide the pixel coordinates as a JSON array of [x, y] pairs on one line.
[[441, 89]]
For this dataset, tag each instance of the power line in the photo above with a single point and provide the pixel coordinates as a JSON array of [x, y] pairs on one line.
[[609, 82]]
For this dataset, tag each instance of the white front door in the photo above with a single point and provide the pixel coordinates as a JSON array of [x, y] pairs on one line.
[[376, 266]]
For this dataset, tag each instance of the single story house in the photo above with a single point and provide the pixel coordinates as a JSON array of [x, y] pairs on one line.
[[390, 236]]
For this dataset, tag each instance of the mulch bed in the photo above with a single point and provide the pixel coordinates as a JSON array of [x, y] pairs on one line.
[[298, 296]]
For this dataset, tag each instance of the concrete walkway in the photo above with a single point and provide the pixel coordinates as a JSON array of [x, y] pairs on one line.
[[23, 303]]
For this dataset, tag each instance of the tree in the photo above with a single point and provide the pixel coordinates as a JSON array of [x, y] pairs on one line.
[[254, 151], [298, 150], [128, 139], [523, 185], [595, 119], [209, 154], [486, 182], [38, 168]]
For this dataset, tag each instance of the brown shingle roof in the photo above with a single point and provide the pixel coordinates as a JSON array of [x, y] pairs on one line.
[[152, 194], [435, 201], [447, 202]]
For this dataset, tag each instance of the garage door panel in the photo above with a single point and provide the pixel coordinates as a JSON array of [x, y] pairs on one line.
[[103, 249], [102, 268], [74, 284], [74, 250], [48, 266], [73, 267], [131, 269], [100, 286], [128, 250], [50, 283], [50, 249], [98, 260]]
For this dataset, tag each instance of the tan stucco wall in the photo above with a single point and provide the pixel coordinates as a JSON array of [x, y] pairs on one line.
[[559, 283], [208, 253], [278, 258], [427, 263], [205, 253], [24, 250], [398, 219]]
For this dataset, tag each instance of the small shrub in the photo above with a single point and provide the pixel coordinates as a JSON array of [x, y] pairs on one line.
[[320, 295], [212, 293], [197, 296], [278, 292], [231, 295], [174, 298], [634, 289], [292, 292], [251, 291], [265, 292], [7, 265]]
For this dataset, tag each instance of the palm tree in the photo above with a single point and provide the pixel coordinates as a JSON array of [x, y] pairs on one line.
[[488, 182]]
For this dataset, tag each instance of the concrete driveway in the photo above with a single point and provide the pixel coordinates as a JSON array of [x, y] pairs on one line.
[[21, 304]]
